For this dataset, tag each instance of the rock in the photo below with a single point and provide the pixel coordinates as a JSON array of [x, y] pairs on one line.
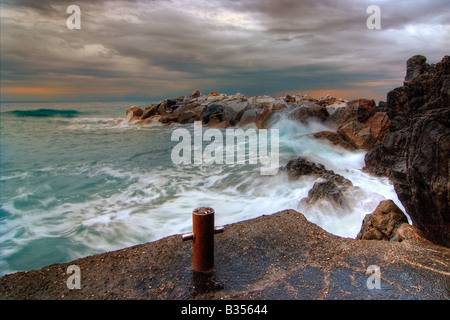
[[379, 125], [191, 113], [290, 99], [335, 138], [150, 112], [358, 135], [196, 94], [304, 113], [280, 106], [264, 115], [300, 167], [281, 256], [356, 110], [264, 100], [248, 117], [238, 97], [415, 66], [383, 223], [238, 106], [415, 153], [327, 191], [134, 113], [220, 112]]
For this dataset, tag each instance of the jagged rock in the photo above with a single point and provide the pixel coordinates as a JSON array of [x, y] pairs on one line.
[[304, 113], [150, 111], [356, 110], [263, 115], [166, 107], [290, 99], [387, 222], [335, 138], [248, 117], [326, 190], [196, 94], [134, 113], [415, 153], [219, 111], [238, 97], [238, 106], [379, 125], [358, 135], [190, 113], [415, 66], [300, 167]]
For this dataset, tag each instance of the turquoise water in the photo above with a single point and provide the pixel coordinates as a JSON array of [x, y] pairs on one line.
[[76, 180]]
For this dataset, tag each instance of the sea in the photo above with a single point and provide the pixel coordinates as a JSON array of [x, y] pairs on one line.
[[76, 180]]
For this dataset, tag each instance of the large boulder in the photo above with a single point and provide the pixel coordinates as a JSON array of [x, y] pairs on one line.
[[134, 113], [297, 168], [358, 135], [415, 153], [218, 113], [327, 191], [335, 138], [386, 223]]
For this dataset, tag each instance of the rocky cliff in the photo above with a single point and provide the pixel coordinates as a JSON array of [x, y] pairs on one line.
[[415, 154]]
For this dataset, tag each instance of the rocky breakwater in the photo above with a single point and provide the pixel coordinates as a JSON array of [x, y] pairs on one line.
[[415, 153], [353, 124]]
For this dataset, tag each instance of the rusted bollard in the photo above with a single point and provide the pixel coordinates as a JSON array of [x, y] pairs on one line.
[[203, 239]]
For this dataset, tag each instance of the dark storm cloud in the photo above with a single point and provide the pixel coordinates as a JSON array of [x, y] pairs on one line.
[[169, 47]]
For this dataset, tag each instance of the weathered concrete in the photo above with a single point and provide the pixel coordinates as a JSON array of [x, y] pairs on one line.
[[278, 257]]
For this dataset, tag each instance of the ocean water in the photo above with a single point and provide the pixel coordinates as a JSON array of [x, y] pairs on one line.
[[75, 180]]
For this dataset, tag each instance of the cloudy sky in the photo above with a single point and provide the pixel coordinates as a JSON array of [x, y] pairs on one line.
[[149, 50]]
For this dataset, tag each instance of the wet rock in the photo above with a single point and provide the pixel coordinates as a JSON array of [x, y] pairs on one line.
[[307, 111], [264, 115], [300, 167], [384, 222], [150, 112], [326, 190], [359, 110], [165, 107], [220, 112], [358, 135], [248, 117], [379, 125], [335, 138], [134, 113]]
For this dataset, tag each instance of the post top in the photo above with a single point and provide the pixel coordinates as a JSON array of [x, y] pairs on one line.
[[203, 211]]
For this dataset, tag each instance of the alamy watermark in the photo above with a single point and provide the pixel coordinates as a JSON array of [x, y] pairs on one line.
[[374, 281], [74, 281], [74, 21], [234, 149], [374, 21]]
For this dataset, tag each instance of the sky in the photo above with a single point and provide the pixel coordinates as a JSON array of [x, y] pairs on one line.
[[152, 50]]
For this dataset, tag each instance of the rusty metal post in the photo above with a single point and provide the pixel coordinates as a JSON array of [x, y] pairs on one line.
[[203, 239]]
